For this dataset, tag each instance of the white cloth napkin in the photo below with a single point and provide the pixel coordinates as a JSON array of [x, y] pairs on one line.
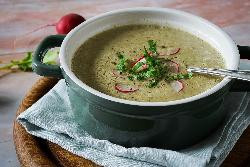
[[49, 119]]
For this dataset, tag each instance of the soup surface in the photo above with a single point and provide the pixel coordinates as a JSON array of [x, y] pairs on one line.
[[98, 63]]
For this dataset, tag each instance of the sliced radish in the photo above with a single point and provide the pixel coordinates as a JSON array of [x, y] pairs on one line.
[[177, 85], [125, 88], [142, 60], [143, 67], [169, 51], [117, 74], [173, 66]]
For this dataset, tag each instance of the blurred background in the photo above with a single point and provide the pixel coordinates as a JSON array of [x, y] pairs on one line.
[[20, 18]]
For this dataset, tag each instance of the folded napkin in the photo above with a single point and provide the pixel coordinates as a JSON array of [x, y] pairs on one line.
[[49, 118]]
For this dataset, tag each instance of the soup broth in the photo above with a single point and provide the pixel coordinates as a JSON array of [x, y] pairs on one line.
[[96, 63]]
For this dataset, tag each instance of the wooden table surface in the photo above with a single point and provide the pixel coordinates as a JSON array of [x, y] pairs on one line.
[[19, 17]]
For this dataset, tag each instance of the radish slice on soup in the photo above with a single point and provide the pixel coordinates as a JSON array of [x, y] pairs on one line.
[[141, 60], [169, 51], [125, 88], [143, 67], [177, 85], [173, 67]]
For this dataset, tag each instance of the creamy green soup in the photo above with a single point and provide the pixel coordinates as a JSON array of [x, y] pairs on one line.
[[97, 63]]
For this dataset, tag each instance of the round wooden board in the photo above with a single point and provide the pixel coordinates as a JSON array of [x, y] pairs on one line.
[[33, 151]]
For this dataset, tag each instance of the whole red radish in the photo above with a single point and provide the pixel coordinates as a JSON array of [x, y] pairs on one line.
[[68, 22], [64, 25]]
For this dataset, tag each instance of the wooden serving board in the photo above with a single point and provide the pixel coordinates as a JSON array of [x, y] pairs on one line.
[[36, 152]]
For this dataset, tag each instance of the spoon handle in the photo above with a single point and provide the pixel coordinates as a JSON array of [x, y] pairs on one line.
[[237, 74]]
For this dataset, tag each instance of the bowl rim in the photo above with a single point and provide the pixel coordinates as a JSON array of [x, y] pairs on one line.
[[84, 86]]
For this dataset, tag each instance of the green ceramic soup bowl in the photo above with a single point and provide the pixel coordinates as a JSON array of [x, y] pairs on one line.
[[172, 124]]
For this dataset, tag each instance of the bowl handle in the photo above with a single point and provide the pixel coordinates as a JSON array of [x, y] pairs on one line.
[[244, 52], [45, 69], [239, 85]]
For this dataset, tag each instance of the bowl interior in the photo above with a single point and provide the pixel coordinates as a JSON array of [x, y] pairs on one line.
[[160, 16]]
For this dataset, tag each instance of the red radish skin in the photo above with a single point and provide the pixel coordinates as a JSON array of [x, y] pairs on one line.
[[138, 60], [68, 22], [144, 66], [64, 25], [173, 66], [174, 51], [169, 51], [125, 88], [177, 85]]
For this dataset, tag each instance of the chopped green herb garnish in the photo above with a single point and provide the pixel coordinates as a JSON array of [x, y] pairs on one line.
[[152, 46], [154, 71], [145, 52], [120, 56], [122, 66], [179, 76], [137, 66], [131, 78], [140, 77], [153, 83]]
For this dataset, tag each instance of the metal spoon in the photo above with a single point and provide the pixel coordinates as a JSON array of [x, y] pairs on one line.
[[237, 74]]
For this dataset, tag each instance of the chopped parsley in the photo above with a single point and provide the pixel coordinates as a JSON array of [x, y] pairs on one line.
[[152, 83], [131, 78], [152, 46], [151, 69], [122, 66], [179, 76]]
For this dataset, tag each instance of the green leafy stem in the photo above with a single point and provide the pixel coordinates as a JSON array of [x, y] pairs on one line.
[[25, 64]]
